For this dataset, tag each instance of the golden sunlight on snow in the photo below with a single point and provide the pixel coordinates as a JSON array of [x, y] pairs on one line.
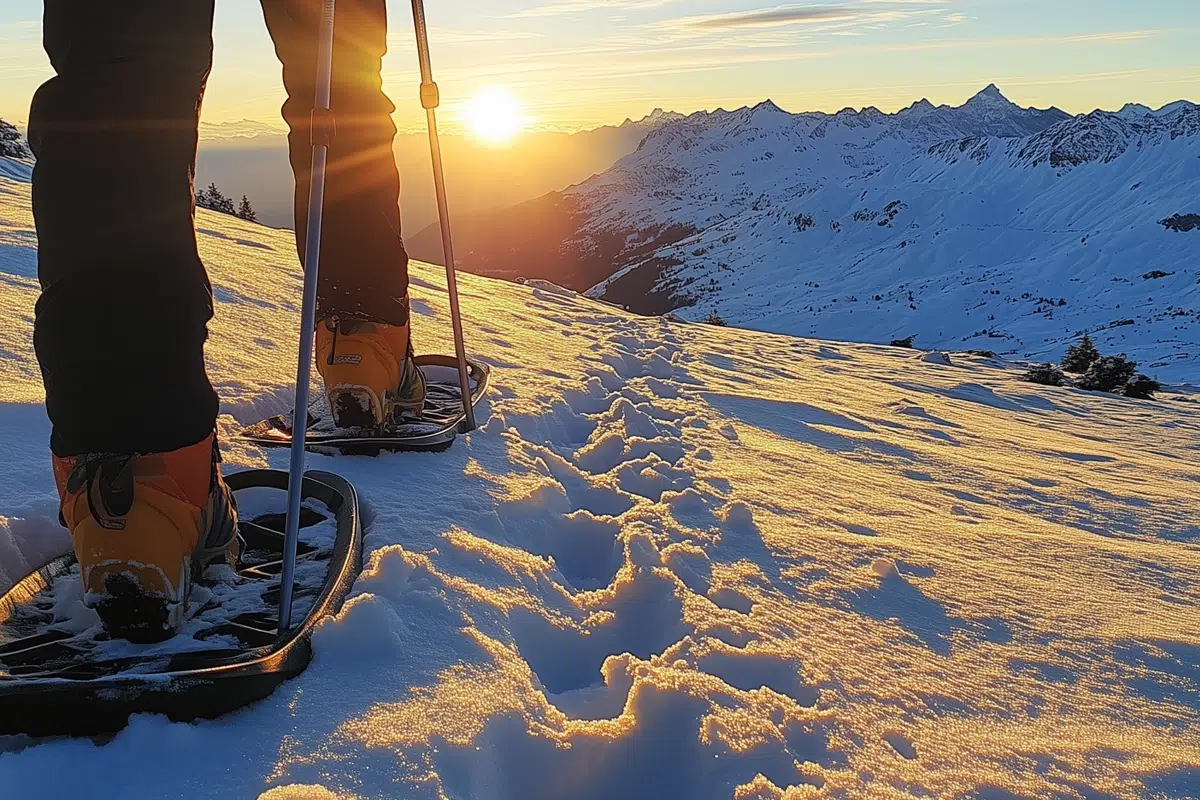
[[1006, 641], [682, 557]]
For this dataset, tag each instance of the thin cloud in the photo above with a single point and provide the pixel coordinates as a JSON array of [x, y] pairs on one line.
[[459, 36], [1115, 37], [671, 62], [626, 61], [826, 14], [580, 6], [774, 16]]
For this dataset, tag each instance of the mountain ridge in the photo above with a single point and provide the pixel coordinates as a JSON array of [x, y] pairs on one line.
[[789, 222]]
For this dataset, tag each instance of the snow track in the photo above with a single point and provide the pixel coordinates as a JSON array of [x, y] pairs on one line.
[[682, 561]]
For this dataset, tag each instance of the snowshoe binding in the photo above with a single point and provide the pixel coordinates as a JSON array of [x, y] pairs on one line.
[[63, 673], [433, 427]]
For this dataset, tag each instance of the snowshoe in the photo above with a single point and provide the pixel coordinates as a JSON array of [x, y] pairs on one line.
[[434, 430], [60, 674]]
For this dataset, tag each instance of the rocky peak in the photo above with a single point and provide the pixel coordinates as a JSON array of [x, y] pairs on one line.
[[917, 109], [989, 97], [654, 119], [1132, 110]]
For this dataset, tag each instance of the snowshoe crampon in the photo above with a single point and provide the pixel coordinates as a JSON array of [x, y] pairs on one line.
[[60, 674], [435, 429]]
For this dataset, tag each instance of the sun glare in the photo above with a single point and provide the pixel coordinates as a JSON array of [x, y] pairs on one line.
[[494, 115]]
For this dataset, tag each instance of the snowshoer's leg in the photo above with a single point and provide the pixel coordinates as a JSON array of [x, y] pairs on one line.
[[363, 289], [121, 321]]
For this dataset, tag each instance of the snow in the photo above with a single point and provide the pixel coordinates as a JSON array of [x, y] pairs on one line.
[[679, 560], [986, 226]]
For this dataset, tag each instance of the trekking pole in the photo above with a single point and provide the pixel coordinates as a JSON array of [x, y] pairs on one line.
[[429, 101], [322, 133]]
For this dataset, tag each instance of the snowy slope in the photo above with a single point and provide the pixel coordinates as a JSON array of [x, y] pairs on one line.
[[984, 226], [678, 561]]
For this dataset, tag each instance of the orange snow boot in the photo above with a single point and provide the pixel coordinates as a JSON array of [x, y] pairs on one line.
[[144, 527], [370, 377]]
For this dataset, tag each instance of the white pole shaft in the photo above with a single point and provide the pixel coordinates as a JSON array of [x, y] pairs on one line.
[[320, 126], [430, 100]]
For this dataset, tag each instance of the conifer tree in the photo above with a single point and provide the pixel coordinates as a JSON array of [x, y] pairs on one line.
[[246, 211], [1142, 387], [1108, 374], [11, 143], [1045, 374], [213, 199], [1080, 356]]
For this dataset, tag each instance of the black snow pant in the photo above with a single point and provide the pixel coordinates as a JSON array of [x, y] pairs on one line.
[[122, 318]]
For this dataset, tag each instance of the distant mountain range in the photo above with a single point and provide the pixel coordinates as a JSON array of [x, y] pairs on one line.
[[251, 158], [986, 226]]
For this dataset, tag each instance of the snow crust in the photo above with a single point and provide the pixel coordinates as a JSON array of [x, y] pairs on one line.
[[683, 561]]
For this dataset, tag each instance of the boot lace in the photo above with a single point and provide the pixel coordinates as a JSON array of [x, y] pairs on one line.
[[108, 479]]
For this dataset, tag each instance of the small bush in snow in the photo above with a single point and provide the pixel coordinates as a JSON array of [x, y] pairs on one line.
[[11, 143], [1107, 374], [1142, 387], [906, 342], [1080, 356], [1045, 374], [1181, 223], [715, 319]]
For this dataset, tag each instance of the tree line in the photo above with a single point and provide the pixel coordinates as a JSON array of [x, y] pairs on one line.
[[213, 199], [13, 145]]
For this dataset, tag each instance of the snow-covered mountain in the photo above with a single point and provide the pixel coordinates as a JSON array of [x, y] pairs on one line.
[[987, 226], [680, 562]]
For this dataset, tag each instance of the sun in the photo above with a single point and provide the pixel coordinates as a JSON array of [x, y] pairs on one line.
[[494, 115]]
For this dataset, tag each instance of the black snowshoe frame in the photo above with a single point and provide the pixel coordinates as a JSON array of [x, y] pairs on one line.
[[50, 688], [442, 419]]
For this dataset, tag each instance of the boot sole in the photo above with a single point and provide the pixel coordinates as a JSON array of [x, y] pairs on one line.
[[355, 408], [139, 618], [128, 613]]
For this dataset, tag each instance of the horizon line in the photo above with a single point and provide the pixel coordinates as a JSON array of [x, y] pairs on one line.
[[452, 127]]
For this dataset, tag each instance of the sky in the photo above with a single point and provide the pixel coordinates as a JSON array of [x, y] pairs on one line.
[[580, 63]]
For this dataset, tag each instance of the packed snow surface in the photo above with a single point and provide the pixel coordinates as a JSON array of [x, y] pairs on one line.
[[682, 561]]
